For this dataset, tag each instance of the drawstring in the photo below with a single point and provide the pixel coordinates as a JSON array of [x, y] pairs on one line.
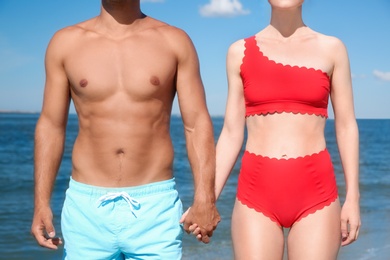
[[133, 203]]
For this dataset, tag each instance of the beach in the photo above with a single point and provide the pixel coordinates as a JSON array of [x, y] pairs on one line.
[[16, 190]]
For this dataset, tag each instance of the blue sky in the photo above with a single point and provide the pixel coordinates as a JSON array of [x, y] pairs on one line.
[[363, 25]]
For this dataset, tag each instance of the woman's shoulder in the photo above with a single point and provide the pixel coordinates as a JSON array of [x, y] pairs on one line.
[[333, 47], [237, 47], [329, 42]]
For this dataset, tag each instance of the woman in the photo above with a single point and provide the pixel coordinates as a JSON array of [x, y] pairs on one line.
[[279, 83]]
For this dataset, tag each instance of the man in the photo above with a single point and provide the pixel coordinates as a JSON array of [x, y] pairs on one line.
[[122, 70]]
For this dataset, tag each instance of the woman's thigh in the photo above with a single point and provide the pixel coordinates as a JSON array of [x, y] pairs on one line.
[[254, 235], [317, 236]]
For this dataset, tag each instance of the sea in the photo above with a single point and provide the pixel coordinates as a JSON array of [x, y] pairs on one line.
[[16, 190]]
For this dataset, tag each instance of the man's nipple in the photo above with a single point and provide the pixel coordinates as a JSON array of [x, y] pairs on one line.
[[155, 80], [83, 83]]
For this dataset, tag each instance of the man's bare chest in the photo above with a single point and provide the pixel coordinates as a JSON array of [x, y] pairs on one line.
[[96, 70]]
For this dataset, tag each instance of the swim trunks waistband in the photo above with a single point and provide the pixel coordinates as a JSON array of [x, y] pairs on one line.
[[134, 191]]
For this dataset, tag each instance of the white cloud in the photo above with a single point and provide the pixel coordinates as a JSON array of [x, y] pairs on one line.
[[223, 8], [384, 76]]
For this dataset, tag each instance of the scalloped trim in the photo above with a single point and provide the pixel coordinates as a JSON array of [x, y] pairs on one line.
[[295, 112], [287, 65], [263, 213], [315, 209], [307, 213], [245, 54], [286, 159]]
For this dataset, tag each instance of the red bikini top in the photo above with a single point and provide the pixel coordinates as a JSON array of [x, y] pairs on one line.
[[271, 87]]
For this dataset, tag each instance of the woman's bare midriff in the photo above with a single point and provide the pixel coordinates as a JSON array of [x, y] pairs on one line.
[[285, 135]]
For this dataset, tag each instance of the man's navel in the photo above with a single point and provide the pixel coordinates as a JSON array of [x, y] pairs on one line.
[[120, 153]]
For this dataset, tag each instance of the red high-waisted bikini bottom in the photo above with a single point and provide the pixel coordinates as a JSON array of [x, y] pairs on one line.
[[286, 190]]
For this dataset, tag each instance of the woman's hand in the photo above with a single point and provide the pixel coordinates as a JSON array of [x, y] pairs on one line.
[[350, 222]]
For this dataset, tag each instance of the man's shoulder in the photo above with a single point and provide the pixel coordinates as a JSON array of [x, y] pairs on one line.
[[72, 31], [172, 36], [166, 29], [66, 39]]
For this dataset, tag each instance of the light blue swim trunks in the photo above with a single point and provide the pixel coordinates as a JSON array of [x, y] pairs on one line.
[[139, 222]]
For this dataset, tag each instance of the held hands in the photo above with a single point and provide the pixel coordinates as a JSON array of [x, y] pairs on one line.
[[201, 221], [43, 230], [350, 222], [194, 229]]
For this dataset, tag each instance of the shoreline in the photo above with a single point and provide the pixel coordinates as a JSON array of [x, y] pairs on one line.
[[4, 111]]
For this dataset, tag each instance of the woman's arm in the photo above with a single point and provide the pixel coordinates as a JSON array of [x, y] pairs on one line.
[[347, 139], [232, 135]]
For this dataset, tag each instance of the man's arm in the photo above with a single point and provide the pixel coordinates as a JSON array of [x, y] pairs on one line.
[[49, 142], [199, 138]]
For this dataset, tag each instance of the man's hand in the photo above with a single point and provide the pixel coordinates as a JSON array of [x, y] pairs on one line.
[[43, 230], [201, 219]]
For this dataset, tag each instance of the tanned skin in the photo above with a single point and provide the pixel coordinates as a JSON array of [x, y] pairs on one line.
[[122, 70]]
